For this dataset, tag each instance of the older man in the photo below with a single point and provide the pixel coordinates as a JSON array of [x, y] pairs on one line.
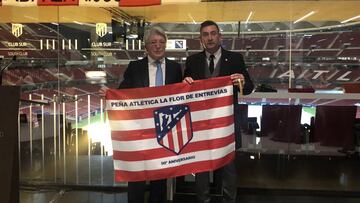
[[215, 61], [153, 70]]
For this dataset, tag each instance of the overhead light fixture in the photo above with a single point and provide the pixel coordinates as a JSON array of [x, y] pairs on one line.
[[248, 18], [305, 16], [132, 36], [350, 19], [95, 74], [192, 19], [30, 17], [78, 23], [96, 77]]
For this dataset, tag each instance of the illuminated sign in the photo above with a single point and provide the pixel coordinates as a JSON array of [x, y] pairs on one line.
[[101, 29], [90, 3], [17, 29], [177, 44], [20, 3], [17, 53], [57, 2]]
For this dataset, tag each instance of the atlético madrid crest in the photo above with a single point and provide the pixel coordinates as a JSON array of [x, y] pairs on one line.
[[173, 127]]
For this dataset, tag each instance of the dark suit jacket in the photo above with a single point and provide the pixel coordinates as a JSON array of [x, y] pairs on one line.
[[137, 74], [230, 63]]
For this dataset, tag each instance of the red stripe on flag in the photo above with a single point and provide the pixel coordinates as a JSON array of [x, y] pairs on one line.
[[189, 129], [179, 133], [161, 142], [133, 134], [166, 90], [150, 133], [162, 152], [148, 113], [174, 171], [213, 123], [170, 139]]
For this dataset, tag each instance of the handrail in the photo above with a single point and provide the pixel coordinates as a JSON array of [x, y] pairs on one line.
[[38, 101], [311, 99]]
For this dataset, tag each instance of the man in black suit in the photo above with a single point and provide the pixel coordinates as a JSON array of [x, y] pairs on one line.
[[153, 70], [215, 61]]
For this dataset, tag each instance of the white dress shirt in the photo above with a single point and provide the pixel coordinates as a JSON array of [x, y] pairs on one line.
[[152, 70], [217, 57]]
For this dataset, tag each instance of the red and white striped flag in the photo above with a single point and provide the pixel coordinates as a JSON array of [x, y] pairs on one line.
[[172, 130]]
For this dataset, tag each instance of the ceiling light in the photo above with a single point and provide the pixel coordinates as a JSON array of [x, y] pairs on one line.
[[305, 16], [350, 19], [95, 74], [78, 23], [248, 18], [192, 19]]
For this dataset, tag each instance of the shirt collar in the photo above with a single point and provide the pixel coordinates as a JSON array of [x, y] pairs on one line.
[[152, 61], [217, 54]]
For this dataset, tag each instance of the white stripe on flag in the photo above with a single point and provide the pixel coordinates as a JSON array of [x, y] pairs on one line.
[[146, 144], [175, 139], [155, 164], [152, 104], [165, 141], [139, 124]]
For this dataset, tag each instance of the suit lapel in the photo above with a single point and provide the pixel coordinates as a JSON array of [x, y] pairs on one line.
[[168, 72], [201, 63], [224, 62], [145, 72]]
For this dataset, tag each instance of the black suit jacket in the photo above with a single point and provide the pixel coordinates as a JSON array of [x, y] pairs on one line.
[[137, 74], [230, 63]]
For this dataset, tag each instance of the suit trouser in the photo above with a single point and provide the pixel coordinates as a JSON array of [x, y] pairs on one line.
[[136, 191], [229, 179]]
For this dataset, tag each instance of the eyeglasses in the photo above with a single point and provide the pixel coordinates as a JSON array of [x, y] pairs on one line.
[[154, 43]]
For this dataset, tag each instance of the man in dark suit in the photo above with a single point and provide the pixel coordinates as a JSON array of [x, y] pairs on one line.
[[215, 61], [153, 70]]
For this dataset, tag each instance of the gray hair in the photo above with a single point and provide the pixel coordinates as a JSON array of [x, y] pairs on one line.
[[153, 31]]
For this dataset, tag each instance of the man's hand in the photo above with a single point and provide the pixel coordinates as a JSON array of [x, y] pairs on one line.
[[188, 80], [237, 78], [102, 91]]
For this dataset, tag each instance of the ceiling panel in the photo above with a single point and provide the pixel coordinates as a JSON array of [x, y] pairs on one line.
[[192, 11]]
